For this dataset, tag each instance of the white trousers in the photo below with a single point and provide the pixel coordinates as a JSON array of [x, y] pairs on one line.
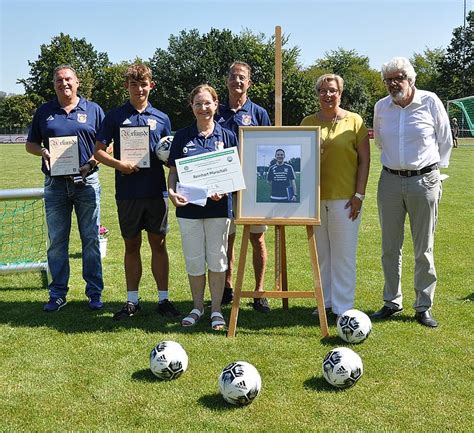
[[336, 240]]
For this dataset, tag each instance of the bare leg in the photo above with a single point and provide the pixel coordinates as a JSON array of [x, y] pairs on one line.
[[198, 284], [216, 287], [159, 260], [230, 260], [133, 262], [259, 258]]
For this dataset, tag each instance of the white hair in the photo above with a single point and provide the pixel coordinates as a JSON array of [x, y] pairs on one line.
[[400, 64]]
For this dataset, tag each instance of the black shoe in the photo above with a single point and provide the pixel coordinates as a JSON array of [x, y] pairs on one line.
[[166, 308], [384, 313], [261, 305], [426, 319], [228, 296], [128, 310]]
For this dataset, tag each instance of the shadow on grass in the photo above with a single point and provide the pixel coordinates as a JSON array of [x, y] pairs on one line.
[[469, 297], [215, 402], [144, 375], [77, 317], [318, 383]]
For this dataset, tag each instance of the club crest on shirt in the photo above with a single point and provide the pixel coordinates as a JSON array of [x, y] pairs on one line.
[[82, 117], [246, 119], [219, 145], [152, 124], [285, 170]]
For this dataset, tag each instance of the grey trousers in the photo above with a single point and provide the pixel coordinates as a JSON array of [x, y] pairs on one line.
[[417, 196]]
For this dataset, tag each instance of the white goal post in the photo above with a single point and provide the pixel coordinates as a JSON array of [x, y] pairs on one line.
[[23, 231]]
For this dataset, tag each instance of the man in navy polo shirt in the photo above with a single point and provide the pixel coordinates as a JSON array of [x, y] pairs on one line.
[[239, 110], [141, 194], [70, 115]]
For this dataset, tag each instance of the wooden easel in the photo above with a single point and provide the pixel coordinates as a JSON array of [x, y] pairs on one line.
[[281, 277], [281, 280]]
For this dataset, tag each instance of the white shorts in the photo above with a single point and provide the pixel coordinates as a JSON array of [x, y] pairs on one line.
[[204, 241], [253, 228]]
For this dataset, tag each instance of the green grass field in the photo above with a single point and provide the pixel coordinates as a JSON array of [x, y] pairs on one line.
[[78, 370]]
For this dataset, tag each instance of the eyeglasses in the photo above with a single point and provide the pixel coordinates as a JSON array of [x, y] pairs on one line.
[[204, 105], [397, 80], [324, 92], [234, 77]]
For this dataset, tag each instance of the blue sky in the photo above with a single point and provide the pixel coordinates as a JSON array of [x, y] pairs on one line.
[[125, 29]]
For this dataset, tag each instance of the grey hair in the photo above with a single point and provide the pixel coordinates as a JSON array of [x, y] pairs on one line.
[[61, 67], [330, 77], [400, 64]]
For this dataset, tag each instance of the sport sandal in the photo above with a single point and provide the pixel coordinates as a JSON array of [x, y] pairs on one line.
[[217, 321], [192, 318]]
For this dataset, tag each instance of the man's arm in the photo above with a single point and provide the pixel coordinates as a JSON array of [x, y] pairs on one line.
[[444, 138], [38, 150]]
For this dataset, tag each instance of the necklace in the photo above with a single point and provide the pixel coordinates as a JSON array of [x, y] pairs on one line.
[[330, 130]]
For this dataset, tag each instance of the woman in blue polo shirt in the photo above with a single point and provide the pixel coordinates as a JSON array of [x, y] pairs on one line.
[[204, 230]]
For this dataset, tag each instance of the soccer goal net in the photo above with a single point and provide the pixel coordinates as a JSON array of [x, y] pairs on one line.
[[463, 111], [23, 232]]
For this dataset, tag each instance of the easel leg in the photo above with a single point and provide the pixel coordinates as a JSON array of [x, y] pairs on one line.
[[284, 272], [323, 323], [234, 313]]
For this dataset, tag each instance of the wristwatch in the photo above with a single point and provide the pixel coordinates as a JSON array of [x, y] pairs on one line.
[[359, 196]]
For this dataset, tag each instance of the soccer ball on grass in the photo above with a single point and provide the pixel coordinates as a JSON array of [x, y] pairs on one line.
[[168, 360], [342, 367], [240, 383], [354, 326]]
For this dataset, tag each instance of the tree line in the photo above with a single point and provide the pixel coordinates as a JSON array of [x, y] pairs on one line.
[[192, 58]]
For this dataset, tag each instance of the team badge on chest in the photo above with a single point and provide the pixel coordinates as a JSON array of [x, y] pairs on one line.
[[219, 145], [152, 124], [82, 117], [246, 119]]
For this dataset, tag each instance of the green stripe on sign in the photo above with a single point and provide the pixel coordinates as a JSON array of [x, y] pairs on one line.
[[201, 158]]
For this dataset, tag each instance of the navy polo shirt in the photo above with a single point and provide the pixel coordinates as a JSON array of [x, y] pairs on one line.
[[188, 142], [83, 121], [250, 114], [146, 182]]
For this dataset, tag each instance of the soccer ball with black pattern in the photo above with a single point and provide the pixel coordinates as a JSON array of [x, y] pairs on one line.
[[240, 383], [168, 360], [354, 326], [342, 367], [164, 147]]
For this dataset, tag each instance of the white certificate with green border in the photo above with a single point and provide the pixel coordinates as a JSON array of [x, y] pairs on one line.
[[219, 171]]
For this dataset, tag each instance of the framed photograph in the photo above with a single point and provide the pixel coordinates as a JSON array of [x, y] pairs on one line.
[[280, 165]]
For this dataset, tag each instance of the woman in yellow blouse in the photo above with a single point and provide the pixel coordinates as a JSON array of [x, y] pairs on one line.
[[345, 161]]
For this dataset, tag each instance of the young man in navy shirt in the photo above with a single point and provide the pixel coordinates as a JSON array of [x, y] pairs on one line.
[[70, 115], [239, 110], [282, 177], [141, 194]]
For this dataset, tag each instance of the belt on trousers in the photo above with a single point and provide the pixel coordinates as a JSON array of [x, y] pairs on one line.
[[409, 173]]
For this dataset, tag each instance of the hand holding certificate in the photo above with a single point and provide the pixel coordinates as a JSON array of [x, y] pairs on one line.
[[135, 145], [219, 171], [64, 155]]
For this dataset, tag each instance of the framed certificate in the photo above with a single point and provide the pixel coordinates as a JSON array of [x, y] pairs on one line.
[[64, 155], [281, 167], [219, 171], [135, 145]]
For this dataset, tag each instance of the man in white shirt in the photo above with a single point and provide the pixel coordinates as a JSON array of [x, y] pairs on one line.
[[411, 128]]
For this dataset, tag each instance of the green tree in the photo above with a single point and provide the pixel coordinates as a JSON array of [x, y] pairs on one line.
[[192, 59], [111, 91], [456, 78], [427, 68], [16, 111], [363, 86], [63, 49]]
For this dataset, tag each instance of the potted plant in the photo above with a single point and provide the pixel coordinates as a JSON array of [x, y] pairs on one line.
[[103, 235]]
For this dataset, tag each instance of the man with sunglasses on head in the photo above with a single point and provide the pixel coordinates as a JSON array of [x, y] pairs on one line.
[[412, 131]]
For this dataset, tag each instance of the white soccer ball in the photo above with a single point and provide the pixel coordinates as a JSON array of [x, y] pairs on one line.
[[354, 326], [342, 367], [168, 360], [240, 383], [164, 147]]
